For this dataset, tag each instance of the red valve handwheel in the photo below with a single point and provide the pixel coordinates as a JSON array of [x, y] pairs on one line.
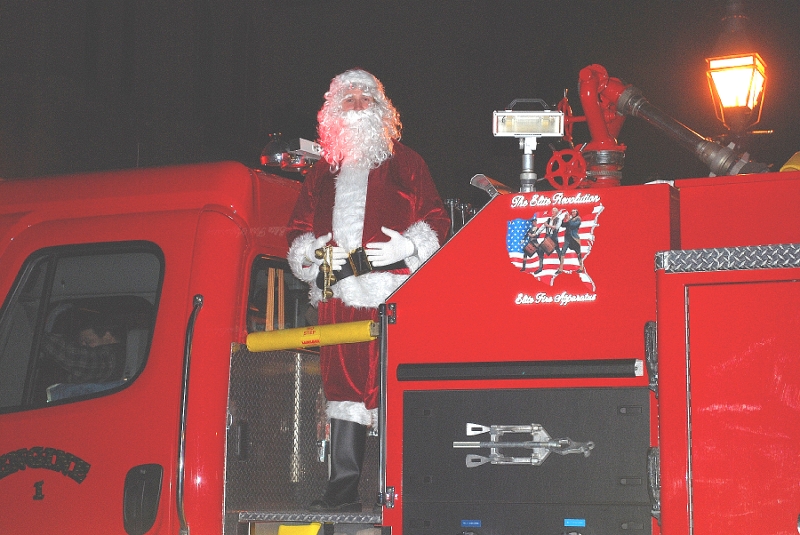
[[566, 169]]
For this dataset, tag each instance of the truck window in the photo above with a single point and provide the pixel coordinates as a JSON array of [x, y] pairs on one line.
[[277, 300], [77, 323]]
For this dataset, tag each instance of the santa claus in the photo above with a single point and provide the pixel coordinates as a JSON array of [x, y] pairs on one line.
[[369, 196]]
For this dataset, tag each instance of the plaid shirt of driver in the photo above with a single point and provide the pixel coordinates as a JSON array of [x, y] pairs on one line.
[[97, 364]]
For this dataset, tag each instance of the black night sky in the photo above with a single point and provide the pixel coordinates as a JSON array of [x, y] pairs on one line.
[[90, 85]]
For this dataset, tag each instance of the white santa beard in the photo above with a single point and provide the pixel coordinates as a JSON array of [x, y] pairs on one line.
[[359, 138], [349, 207]]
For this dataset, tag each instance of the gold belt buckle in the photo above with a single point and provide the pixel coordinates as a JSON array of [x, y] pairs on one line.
[[359, 262]]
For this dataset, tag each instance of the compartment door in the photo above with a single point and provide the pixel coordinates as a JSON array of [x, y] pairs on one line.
[[744, 385]]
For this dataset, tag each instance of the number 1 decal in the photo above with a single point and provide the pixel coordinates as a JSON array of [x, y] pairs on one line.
[[39, 494]]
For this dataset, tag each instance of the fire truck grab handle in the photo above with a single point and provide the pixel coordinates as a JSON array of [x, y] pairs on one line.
[[197, 304]]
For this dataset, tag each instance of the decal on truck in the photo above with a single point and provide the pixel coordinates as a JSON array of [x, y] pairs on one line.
[[53, 459], [555, 240]]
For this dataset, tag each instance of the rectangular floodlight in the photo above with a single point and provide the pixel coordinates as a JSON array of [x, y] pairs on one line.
[[508, 123]]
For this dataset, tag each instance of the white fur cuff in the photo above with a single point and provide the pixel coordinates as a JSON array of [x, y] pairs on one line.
[[352, 411], [426, 242], [298, 262], [300, 266]]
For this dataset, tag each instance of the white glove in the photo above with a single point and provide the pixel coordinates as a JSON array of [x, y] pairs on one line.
[[318, 243], [384, 253], [339, 255]]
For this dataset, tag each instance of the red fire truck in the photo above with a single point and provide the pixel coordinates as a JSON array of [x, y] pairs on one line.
[[587, 360]]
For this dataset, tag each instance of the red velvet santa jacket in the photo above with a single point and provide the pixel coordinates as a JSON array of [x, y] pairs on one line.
[[400, 195]]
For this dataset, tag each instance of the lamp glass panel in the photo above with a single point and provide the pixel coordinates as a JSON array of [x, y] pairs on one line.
[[739, 80]]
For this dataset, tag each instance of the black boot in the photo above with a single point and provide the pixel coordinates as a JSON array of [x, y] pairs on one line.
[[347, 455]]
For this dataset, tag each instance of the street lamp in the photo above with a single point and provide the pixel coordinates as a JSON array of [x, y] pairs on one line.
[[737, 88], [736, 74]]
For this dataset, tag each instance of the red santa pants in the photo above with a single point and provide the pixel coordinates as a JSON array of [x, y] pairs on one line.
[[349, 371]]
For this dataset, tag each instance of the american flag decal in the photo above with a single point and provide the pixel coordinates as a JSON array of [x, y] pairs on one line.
[[541, 259]]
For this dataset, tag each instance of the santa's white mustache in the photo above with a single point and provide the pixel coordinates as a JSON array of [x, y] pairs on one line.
[[357, 117]]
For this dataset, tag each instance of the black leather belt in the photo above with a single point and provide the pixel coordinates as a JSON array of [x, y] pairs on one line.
[[358, 264]]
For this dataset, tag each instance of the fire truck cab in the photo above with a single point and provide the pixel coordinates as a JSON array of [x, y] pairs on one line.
[[167, 256]]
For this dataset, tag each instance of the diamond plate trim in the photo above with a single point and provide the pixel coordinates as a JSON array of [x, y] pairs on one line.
[[338, 518], [730, 258]]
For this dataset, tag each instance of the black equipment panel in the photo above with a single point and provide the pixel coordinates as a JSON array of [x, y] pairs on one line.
[[604, 492]]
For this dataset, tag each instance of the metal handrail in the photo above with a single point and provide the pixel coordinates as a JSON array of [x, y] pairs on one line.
[[197, 304]]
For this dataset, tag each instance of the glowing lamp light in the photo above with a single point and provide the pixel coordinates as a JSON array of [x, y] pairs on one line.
[[737, 87]]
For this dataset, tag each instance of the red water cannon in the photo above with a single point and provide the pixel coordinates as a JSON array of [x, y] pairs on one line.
[[599, 162], [606, 102]]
